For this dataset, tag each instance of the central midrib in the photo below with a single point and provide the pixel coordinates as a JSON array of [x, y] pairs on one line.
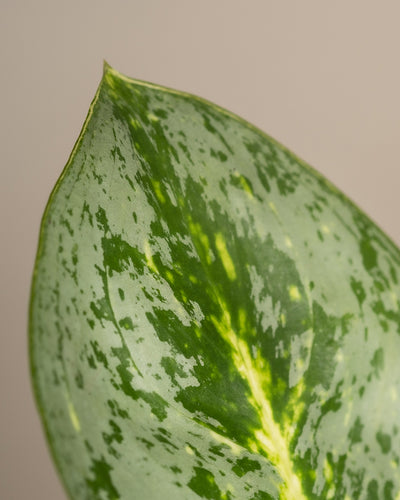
[[269, 438]]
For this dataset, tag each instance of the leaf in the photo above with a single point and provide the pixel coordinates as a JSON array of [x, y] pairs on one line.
[[211, 318]]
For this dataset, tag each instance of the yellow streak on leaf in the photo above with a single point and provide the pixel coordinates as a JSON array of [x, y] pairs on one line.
[[73, 416], [225, 256], [158, 192], [201, 238], [269, 438], [149, 258], [235, 448]]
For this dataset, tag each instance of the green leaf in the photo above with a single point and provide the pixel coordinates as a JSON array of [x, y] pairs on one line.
[[211, 318]]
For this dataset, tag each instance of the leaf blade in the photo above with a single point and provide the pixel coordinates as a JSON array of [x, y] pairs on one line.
[[182, 237]]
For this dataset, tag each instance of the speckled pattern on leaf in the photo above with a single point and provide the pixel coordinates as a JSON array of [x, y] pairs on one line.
[[210, 318]]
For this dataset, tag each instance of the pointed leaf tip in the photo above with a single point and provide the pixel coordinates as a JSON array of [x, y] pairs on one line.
[[106, 67]]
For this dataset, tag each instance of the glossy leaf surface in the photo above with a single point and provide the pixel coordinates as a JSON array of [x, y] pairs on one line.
[[210, 318]]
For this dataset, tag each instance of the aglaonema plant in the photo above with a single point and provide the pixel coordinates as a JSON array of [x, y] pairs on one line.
[[210, 317]]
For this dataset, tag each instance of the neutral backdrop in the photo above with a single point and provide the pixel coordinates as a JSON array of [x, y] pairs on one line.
[[321, 77]]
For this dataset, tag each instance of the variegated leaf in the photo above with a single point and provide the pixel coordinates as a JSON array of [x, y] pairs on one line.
[[211, 318]]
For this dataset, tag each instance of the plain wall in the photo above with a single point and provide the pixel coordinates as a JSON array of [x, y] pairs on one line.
[[321, 77]]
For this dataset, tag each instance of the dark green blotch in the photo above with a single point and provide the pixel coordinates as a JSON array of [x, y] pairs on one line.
[[356, 431], [64, 222], [237, 182], [116, 410], [100, 356], [218, 154], [161, 113], [217, 449], [118, 254], [172, 369], [114, 435], [102, 221], [90, 323], [274, 164], [74, 257], [146, 442], [245, 465], [337, 464], [334, 403], [377, 361], [157, 403], [126, 323], [385, 441], [262, 495], [373, 490], [358, 290], [203, 483], [185, 150], [208, 125], [116, 152], [356, 481], [368, 253], [91, 362], [393, 274], [391, 315], [388, 490], [88, 446], [101, 481], [86, 210], [161, 437], [102, 310], [79, 379]]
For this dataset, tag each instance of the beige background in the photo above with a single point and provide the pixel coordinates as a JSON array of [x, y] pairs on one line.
[[323, 77]]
